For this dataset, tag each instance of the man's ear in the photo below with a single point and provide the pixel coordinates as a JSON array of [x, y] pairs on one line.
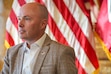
[[44, 23]]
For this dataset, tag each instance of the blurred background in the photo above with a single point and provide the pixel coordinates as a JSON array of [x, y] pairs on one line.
[[5, 7]]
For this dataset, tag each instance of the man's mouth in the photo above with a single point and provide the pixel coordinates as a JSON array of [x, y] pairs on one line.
[[21, 31]]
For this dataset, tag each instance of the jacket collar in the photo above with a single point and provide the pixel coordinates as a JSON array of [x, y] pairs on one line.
[[43, 52]]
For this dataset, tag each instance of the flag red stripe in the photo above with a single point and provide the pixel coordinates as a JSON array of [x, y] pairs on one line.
[[92, 2], [53, 27], [85, 11], [40, 1], [74, 26], [21, 2], [13, 18], [83, 8], [56, 32], [80, 70], [9, 39]]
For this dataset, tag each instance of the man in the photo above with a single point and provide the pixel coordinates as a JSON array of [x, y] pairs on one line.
[[38, 54]]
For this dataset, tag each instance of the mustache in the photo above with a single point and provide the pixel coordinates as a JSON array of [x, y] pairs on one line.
[[21, 30]]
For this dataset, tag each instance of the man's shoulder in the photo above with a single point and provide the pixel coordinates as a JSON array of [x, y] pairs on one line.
[[60, 45], [61, 48], [15, 48]]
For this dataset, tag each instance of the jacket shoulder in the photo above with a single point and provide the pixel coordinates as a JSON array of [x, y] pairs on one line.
[[57, 44], [14, 49]]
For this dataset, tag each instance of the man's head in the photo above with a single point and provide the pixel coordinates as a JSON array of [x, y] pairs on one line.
[[32, 21]]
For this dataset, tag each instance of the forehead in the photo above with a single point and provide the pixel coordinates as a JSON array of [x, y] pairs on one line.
[[29, 9]]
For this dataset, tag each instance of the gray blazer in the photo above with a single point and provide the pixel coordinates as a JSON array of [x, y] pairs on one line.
[[54, 58]]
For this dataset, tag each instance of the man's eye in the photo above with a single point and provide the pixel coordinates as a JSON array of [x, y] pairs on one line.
[[19, 18], [23, 18], [27, 18]]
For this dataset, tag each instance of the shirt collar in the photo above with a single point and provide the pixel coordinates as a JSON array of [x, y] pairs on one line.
[[41, 40], [38, 42]]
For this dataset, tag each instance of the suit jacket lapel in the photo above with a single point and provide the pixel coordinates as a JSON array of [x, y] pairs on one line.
[[41, 56], [20, 60]]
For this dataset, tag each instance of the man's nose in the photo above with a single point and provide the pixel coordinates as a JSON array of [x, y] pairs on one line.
[[20, 23]]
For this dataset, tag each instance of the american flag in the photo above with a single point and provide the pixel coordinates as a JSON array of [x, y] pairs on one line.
[[68, 23]]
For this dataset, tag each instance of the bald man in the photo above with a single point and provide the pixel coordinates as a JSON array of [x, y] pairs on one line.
[[38, 54]]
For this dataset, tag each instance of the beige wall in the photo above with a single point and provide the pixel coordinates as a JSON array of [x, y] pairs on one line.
[[5, 6]]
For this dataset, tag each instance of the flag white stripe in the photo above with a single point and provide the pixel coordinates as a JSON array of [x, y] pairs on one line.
[[59, 20], [49, 32], [86, 29], [27, 1], [81, 19], [13, 31], [63, 27], [16, 7], [81, 56]]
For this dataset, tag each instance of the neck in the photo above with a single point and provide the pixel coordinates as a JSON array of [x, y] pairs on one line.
[[29, 42]]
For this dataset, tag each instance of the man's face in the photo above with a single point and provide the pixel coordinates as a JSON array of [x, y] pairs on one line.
[[29, 23]]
